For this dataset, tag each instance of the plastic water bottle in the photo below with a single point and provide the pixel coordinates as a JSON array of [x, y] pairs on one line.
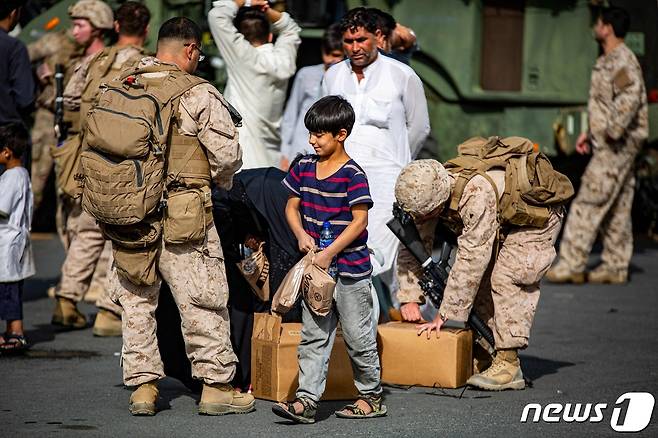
[[326, 239]]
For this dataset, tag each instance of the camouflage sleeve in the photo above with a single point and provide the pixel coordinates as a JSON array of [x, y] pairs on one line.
[[478, 210], [408, 268], [75, 85], [628, 90], [214, 128]]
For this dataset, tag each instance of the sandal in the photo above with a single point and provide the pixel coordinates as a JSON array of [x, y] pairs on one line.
[[287, 410], [353, 411], [13, 343]]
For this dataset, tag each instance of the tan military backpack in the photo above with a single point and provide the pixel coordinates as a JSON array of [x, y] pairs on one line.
[[126, 140], [532, 186]]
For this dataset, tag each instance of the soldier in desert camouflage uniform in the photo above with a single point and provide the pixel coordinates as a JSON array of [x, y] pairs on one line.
[[194, 271], [618, 126], [497, 269], [87, 244], [51, 49]]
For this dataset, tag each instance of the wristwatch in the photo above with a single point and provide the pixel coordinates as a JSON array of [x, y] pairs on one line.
[[247, 3], [443, 316]]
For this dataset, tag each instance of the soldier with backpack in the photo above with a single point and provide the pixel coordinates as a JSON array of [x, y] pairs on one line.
[[154, 141], [86, 241], [504, 203]]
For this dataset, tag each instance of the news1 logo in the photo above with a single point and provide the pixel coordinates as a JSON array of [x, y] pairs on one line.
[[631, 412]]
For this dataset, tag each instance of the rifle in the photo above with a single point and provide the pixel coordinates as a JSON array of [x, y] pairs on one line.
[[435, 274], [60, 126]]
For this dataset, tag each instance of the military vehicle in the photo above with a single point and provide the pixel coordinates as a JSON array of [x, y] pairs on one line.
[[507, 67]]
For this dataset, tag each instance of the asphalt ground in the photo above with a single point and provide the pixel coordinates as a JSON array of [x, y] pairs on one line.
[[590, 344]]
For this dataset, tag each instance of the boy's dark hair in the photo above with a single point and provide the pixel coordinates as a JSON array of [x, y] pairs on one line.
[[7, 6], [14, 137], [330, 114], [180, 28], [385, 21], [618, 18], [133, 18], [253, 24], [332, 39], [359, 17]]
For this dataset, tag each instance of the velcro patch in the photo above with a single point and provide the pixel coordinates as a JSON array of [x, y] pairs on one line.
[[622, 80]]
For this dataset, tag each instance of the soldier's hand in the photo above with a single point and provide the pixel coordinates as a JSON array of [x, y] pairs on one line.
[[428, 327], [306, 243], [582, 144], [410, 312]]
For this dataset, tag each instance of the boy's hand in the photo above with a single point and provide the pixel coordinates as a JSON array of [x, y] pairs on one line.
[[306, 243], [323, 260], [410, 312]]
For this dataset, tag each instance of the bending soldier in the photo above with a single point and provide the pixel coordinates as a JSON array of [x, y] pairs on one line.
[[497, 268], [193, 137]]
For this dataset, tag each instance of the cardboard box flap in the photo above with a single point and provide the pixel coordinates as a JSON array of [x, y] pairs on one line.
[[266, 327]]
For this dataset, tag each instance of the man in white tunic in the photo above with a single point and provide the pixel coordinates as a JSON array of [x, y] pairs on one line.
[[258, 71], [391, 124]]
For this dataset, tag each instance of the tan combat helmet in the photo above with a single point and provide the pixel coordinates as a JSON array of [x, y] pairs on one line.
[[98, 13], [422, 187]]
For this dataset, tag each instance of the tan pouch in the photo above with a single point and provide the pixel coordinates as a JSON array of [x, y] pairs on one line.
[[256, 270], [318, 290], [139, 266], [140, 235], [188, 214], [67, 164]]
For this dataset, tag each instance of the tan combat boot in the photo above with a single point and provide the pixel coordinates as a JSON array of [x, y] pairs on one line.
[[562, 274], [603, 275], [67, 315], [143, 399], [221, 399], [107, 324], [504, 373]]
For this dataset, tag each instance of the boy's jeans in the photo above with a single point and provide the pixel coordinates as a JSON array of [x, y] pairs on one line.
[[353, 307]]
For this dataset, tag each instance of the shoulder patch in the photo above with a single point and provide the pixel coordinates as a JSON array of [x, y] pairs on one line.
[[622, 80]]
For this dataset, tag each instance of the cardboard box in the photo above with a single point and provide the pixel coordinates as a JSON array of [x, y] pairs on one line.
[[274, 365], [409, 359]]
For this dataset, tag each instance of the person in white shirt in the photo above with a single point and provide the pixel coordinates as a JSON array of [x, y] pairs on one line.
[[391, 124], [16, 262], [258, 71], [305, 91]]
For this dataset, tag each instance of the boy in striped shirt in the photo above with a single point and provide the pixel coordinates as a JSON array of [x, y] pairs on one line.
[[331, 187]]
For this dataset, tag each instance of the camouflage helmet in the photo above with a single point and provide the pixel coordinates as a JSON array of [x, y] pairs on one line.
[[422, 187], [97, 12]]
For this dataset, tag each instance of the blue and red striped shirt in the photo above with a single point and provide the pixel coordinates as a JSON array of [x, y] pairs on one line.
[[331, 199]]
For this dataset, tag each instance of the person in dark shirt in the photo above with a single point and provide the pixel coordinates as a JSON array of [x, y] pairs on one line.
[[16, 80]]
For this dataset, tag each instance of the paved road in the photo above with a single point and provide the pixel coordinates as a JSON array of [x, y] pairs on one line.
[[590, 344]]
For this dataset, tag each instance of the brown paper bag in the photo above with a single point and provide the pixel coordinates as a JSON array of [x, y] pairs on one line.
[[318, 290], [256, 270], [288, 292]]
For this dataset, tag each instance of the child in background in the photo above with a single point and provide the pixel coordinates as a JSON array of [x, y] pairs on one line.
[[16, 261], [331, 187]]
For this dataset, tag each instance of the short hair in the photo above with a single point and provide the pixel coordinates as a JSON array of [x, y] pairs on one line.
[[133, 18], [385, 21], [618, 18], [332, 39], [253, 24], [359, 17], [330, 114], [14, 137], [179, 28], [7, 6]]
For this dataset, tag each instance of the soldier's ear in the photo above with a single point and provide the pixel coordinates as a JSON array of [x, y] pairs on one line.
[[117, 28]]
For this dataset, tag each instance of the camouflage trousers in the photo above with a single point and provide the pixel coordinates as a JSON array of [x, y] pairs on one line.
[[87, 259], [43, 138], [197, 279], [603, 206], [509, 291]]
